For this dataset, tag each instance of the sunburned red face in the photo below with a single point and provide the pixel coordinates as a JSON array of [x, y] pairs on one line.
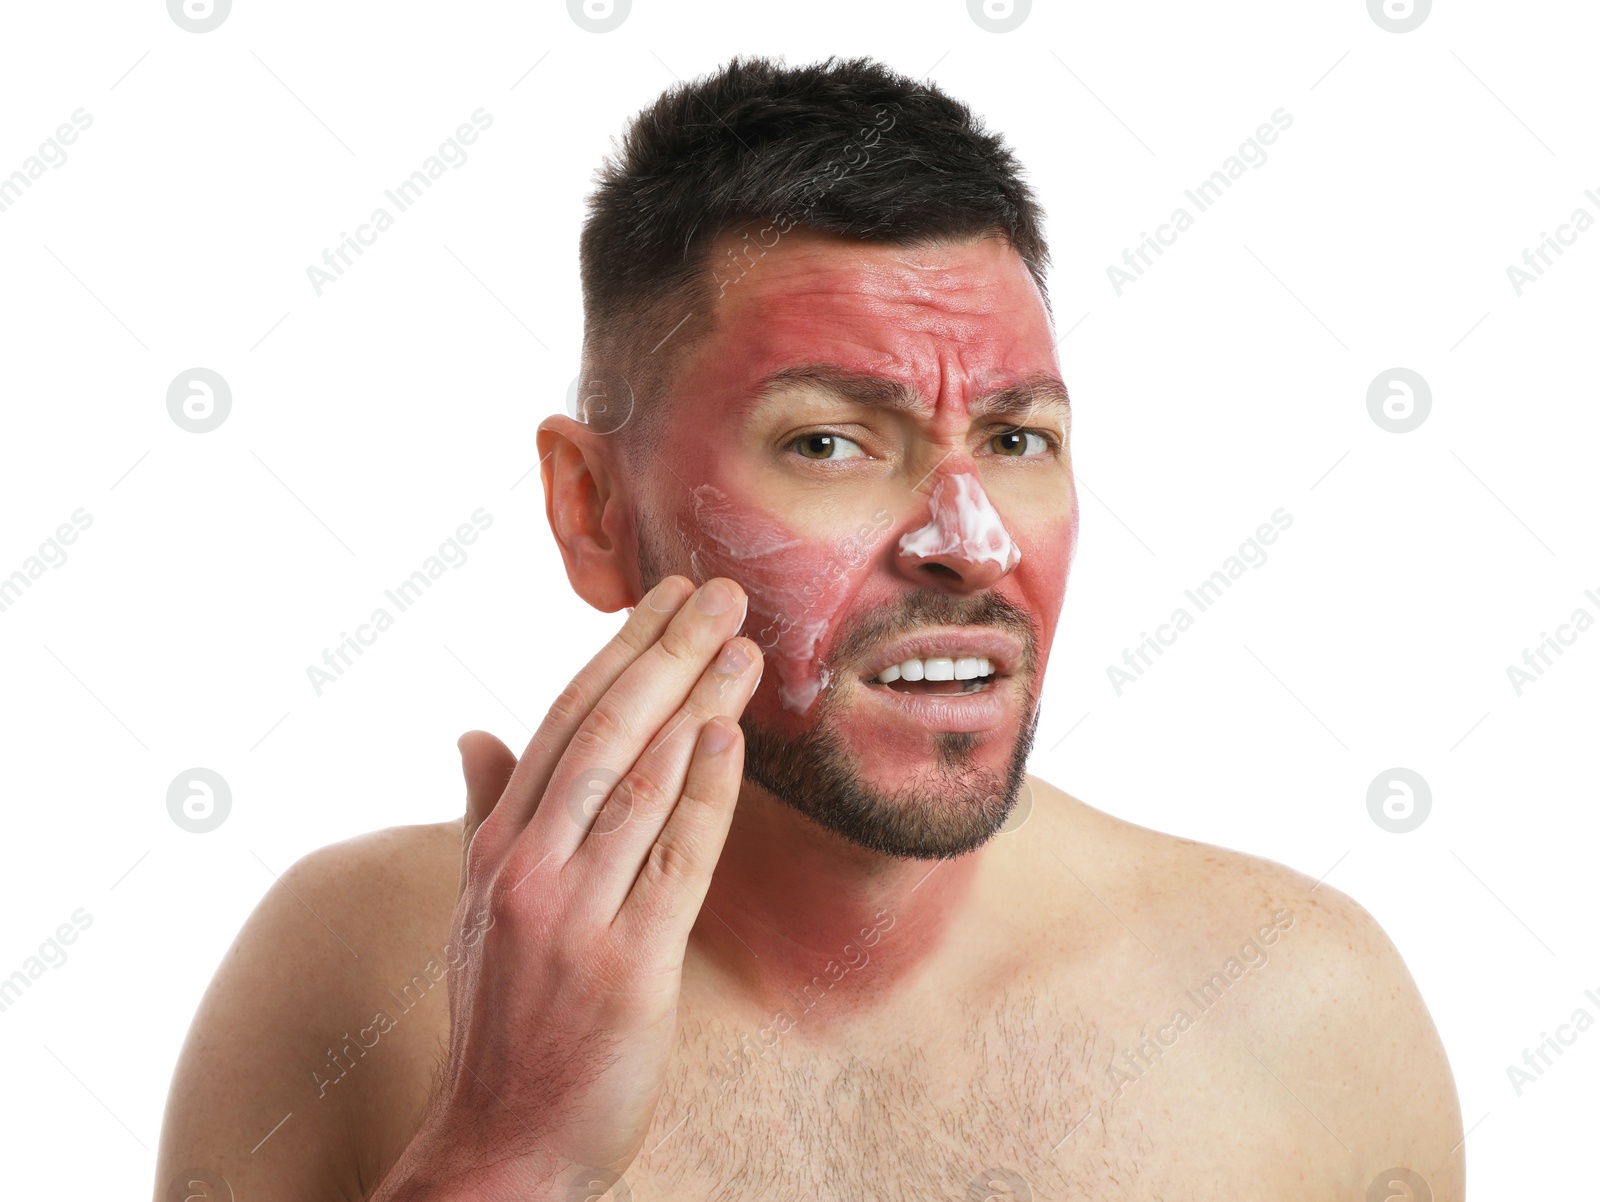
[[874, 442]]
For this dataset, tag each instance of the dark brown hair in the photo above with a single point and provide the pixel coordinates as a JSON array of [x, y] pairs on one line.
[[846, 147]]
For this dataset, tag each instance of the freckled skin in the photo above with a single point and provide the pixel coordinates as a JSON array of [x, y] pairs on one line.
[[817, 544]]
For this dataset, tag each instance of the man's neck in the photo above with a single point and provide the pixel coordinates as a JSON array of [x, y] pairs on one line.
[[795, 910]]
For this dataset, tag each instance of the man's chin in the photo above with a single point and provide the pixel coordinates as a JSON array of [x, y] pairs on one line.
[[945, 804]]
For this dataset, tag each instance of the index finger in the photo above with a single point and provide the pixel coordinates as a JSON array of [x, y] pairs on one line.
[[504, 818]]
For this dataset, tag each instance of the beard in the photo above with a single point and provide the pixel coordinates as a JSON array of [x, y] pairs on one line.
[[954, 805]]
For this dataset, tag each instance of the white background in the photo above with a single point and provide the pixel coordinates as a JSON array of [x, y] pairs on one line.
[[369, 422]]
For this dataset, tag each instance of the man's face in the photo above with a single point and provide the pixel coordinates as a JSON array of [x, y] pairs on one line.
[[927, 516]]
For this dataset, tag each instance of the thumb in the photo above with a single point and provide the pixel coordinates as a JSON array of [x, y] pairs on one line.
[[486, 765]]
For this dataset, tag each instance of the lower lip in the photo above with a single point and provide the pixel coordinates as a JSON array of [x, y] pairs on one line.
[[947, 713]]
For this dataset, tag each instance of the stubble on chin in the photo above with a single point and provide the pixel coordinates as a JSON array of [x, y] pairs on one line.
[[948, 810]]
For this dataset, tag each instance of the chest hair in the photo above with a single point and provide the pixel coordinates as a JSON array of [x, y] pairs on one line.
[[1007, 1102]]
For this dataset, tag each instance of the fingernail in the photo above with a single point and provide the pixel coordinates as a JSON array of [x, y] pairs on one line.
[[735, 658], [716, 737], [665, 598], [714, 598]]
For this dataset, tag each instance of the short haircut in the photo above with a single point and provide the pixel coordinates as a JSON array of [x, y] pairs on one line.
[[844, 147]]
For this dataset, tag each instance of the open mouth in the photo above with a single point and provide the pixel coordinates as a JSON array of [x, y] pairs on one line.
[[936, 676]]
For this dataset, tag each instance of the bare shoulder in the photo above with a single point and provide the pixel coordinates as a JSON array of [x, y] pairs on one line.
[[315, 1044], [1316, 1002]]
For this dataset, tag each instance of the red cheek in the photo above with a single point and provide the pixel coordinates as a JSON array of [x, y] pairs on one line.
[[796, 586], [1046, 565], [799, 587]]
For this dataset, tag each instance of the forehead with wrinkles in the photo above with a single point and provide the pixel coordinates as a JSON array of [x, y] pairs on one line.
[[952, 321]]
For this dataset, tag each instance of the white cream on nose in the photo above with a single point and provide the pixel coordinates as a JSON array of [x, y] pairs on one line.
[[962, 522]]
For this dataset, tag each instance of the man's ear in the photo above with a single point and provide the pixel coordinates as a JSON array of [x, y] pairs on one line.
[[587, 514]]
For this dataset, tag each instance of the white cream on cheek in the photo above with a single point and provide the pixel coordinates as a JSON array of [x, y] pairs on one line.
[[962, 522], [795, 587]]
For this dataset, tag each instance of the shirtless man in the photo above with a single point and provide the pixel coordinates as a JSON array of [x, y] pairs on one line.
[[764, 915]]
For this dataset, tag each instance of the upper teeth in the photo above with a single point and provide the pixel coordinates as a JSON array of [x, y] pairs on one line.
[[939, 667]]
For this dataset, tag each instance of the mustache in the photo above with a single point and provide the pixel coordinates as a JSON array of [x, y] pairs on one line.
[[929, 607]]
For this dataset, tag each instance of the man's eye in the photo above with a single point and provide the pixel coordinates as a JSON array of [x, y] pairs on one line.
[[1019, 443], [826, 446]]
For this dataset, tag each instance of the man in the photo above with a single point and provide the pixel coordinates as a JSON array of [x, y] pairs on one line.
[[778, 914]]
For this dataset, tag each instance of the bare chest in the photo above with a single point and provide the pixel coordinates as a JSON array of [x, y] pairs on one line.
[[1003, 1102]]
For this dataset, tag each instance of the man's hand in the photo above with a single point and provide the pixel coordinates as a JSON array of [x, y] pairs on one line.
[[574, 917]]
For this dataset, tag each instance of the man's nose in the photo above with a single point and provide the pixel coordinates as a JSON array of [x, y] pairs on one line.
[[963, 546]]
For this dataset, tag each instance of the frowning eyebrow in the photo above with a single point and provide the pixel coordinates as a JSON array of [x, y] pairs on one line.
[[1041, 392]]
